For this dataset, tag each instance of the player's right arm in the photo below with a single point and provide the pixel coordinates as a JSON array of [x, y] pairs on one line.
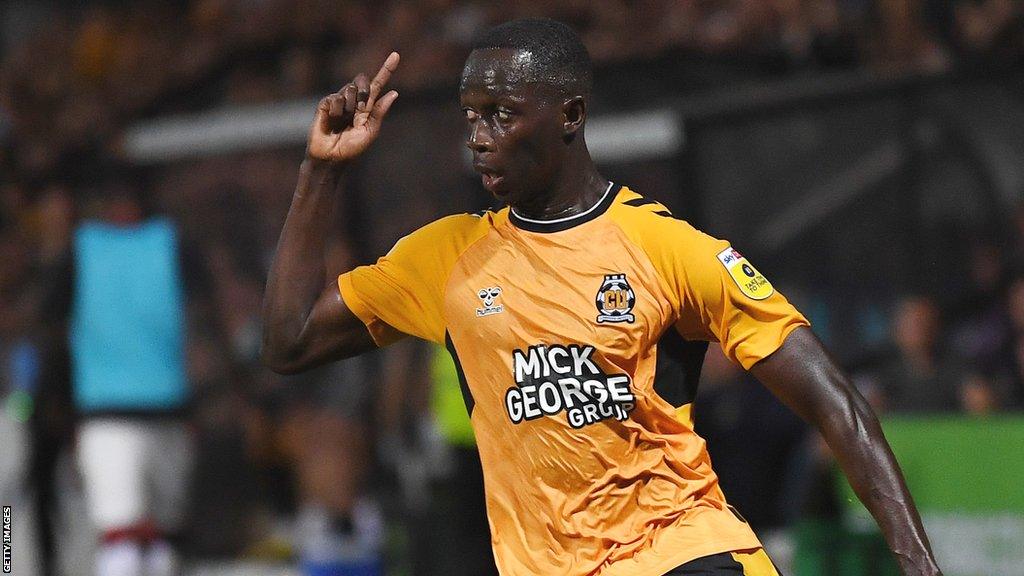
[[305, 323], [723, 298], [719, 296]]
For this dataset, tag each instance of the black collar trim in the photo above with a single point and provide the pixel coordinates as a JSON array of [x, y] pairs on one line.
[[560, 224]]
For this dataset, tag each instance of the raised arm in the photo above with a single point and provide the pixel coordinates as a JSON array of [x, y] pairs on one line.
[[804, 377], [304, 322]]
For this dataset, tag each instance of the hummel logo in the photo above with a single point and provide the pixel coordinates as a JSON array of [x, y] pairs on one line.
[[488, 296]]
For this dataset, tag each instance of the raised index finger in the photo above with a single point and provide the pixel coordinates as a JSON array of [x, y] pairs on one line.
[[382, 77]]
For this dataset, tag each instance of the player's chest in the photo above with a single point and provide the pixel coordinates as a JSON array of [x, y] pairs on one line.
[[517, 296]]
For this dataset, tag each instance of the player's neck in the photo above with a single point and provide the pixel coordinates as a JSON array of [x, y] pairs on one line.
[[576, 189]]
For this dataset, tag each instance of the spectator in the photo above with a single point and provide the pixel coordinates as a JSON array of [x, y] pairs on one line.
[[1013, 379], [919, 375], [980, 335]]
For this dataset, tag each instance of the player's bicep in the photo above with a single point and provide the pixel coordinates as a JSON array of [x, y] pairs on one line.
[[804, 377]]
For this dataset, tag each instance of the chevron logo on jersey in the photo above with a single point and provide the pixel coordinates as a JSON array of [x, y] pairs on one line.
[[615, 300]]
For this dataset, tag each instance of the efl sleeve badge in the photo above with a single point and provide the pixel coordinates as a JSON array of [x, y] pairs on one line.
[[615, 300], [752, 283]]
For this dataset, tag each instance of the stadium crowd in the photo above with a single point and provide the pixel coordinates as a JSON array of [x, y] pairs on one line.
[[71, 81]]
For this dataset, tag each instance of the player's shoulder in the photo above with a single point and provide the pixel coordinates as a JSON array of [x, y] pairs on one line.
[[451, 233], [674, 246], [648, 221]]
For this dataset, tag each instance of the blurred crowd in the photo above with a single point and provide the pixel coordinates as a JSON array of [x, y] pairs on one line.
[[71, 80]]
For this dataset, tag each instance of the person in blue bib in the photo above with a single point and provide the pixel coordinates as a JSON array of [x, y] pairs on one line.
[[125, 298]]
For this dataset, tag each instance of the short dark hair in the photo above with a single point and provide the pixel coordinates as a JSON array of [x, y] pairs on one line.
[[558, 55]]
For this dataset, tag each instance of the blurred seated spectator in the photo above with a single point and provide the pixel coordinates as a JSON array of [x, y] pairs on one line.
[[919, 374], [1012, 379], [979, 330]]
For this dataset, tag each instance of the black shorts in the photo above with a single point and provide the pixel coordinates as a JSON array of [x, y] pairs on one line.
[[741, 563]]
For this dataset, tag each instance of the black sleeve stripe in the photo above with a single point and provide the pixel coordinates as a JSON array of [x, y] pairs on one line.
[[638, 202]]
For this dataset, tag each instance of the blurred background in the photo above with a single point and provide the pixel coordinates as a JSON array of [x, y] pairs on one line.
[[866, 154]]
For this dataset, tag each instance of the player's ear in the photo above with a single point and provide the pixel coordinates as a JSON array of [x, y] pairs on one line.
[[574, 114]]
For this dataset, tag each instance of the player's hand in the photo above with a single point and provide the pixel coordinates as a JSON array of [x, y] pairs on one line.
[[349, 120]]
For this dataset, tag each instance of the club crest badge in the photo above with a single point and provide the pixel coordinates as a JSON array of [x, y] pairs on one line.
[[752, 283], [615, 300], [489, 297]]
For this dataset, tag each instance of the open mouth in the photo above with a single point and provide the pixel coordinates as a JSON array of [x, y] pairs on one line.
[[489, 177], [491, 181]]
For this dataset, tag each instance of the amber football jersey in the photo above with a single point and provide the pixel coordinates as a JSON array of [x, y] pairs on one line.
[[578, 344]]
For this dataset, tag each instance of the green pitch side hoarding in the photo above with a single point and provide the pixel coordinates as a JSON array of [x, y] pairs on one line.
[[967, 478]]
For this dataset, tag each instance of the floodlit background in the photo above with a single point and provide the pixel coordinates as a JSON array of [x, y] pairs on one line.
[[868, 156]]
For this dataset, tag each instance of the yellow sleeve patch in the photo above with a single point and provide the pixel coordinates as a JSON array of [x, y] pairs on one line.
[[751, 283]]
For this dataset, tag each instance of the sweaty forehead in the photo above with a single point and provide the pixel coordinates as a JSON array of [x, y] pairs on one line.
[[500, 68]]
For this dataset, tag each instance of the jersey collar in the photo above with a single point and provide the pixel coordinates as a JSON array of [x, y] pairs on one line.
[[559, 224]]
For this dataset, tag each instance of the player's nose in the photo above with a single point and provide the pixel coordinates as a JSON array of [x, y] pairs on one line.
[[479, 139]]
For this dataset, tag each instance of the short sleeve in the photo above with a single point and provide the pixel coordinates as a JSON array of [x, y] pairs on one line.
[[717, 293], [723, 297], [403, 292]]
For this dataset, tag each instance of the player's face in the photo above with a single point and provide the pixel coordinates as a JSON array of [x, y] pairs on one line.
[[515, 125]]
